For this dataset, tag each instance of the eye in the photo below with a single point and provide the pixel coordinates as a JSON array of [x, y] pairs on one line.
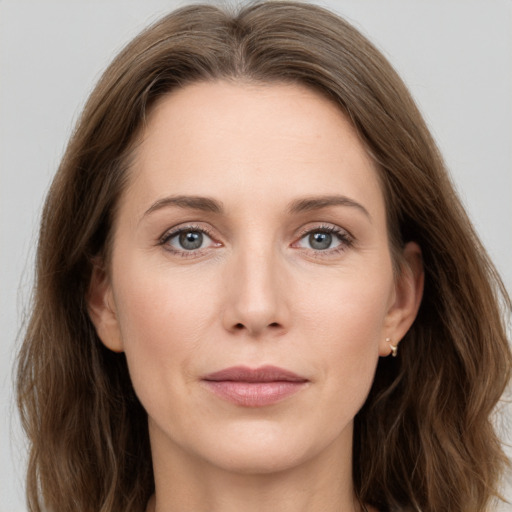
[[326, 238], [320, 240], [190, 240], [187, 239]]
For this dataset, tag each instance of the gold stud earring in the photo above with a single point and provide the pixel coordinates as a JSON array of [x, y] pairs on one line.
[[394, 348]]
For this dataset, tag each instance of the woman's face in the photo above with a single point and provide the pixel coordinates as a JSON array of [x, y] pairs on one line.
[[252, 234]]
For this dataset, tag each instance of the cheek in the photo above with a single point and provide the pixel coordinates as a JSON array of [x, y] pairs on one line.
[[163, 317], [345, 322], [349, 307], [153, 299]]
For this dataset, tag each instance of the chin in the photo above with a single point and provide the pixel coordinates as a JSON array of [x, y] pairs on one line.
[[266, 449], [258, 460]]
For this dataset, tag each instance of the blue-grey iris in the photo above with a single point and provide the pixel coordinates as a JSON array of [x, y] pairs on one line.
[[191, 240], [320, 240]]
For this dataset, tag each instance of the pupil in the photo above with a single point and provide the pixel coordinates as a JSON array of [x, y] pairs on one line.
[[320, 240], [191, 240]]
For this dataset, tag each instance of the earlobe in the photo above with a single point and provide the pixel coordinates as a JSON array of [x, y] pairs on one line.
[[101, 309], [408, 294]]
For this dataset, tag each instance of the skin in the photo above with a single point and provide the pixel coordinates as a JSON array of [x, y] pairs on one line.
[[258, 291]]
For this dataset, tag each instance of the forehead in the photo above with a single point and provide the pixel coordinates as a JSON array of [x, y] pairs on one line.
[[247, 141]]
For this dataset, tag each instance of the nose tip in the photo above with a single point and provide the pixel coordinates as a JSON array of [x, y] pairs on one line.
[[254, 322], [255, 298]]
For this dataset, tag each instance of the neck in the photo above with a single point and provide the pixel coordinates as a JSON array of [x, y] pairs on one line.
[[186, 483]]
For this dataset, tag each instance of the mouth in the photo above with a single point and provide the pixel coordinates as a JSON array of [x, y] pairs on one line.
[[257, 387]]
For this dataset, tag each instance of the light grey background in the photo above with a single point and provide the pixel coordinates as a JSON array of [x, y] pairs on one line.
[[455, 55]]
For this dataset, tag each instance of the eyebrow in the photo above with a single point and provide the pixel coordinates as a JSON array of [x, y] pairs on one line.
[[318, 202], [207, 204]]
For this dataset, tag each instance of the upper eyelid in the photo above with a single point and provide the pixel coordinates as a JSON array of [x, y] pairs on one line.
[[324, 226], [301, 233], [171, 232]]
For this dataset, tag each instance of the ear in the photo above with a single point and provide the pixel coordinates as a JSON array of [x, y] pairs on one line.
[[101, 308], [407, 298]]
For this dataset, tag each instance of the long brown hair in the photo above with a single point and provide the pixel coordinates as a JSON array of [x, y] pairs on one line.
[[424, 440]]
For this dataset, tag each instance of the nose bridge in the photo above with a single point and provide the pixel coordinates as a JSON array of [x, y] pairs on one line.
[[255, 299]]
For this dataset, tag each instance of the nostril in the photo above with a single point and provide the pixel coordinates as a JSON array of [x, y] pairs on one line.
[[239, 326]]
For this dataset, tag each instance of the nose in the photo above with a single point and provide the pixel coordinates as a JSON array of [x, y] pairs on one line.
[[255, 302]]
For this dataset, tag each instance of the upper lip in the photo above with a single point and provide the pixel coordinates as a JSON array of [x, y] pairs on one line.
[[262, 374]]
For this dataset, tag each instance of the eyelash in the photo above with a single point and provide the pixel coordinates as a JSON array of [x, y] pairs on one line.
[[345, 239], [169, 235]]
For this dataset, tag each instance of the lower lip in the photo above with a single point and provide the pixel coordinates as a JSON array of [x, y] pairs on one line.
[[254, 394]]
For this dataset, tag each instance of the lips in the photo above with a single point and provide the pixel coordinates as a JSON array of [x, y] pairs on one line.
[[262, 374], [257, 387]]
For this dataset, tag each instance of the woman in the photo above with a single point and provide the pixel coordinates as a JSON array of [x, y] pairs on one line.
[[249, 222]]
